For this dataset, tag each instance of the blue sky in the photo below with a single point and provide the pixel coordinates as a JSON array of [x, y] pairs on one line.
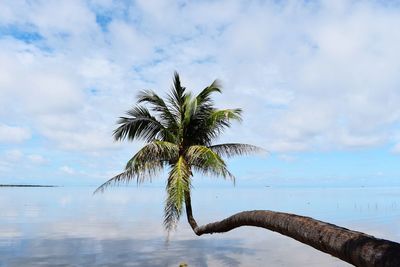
[[318, 82]]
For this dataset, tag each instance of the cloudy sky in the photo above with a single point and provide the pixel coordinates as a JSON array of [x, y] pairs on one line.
[[318, 81]]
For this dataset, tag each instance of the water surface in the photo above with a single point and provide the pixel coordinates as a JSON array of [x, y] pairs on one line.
[[69, 226]]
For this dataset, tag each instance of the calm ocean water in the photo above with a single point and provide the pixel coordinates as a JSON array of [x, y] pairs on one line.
[[68, 226]]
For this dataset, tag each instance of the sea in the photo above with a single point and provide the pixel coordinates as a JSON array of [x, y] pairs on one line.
[[71, 226]]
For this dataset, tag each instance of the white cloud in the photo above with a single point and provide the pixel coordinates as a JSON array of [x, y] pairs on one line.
[[46, 86], [37, 159], [287, 157], [13, 155], [125, 37], [339, 69], [396, 148], [13, 134], [309, 76], [68, 170]]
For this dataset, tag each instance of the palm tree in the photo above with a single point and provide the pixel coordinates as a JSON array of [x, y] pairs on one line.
[[180, 131], [179, 135]]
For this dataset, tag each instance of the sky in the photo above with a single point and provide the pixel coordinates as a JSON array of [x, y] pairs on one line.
[[318, 82]]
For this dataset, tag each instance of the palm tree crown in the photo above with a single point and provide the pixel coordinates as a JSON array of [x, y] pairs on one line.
[[179, 131]]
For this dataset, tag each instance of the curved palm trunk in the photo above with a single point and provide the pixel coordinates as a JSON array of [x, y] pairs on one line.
[[353, 247]]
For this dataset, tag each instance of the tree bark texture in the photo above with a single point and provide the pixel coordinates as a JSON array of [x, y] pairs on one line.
[[353, 247]]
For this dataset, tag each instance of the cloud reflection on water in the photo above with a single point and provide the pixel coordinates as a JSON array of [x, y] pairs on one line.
[[123, 227], [124, 252]]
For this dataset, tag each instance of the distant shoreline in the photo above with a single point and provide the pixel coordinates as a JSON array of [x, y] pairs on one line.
[[26, 185]]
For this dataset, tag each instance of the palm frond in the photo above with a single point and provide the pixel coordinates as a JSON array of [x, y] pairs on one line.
[[220, 119], [207, 161], [177, 95], [139, 125], [139, 172], [178, 184], [204, 96], [189, 108], [154, 151], [235, 149], [145, 164], [208, 123], [225, 115], [159, 106]]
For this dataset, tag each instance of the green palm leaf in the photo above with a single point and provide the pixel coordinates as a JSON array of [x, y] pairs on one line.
[[204, 96], [139, 172], [156, 150], [205, 160], [159, 106], [225, 116], [178, 185], [139, 125], [233, 149], [145, 164], [176, 98]]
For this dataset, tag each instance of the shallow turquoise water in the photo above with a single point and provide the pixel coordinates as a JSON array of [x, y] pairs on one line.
[[68, 226]]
